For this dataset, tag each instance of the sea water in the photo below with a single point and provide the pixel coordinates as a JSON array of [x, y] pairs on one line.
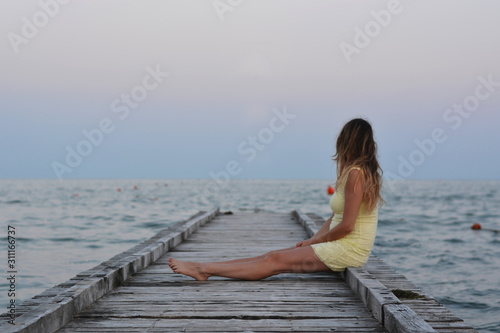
[[424, 231]]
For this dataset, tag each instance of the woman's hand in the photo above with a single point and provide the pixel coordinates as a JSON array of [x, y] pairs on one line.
[[304, 243]]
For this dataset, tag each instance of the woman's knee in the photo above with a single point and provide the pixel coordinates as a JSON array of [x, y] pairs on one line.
[[303, 263], [274, 252], [272, 258], [271, 254]]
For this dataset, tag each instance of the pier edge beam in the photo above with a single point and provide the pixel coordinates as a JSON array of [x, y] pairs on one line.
[[383, 304], [87, 287]]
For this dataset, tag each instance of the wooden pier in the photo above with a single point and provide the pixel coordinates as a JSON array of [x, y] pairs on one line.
[[136, 291]]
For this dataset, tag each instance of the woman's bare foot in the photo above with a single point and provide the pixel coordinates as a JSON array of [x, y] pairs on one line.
[[189, 268]]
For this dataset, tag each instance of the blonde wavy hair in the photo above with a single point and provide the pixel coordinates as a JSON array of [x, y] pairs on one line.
[[357, 148]]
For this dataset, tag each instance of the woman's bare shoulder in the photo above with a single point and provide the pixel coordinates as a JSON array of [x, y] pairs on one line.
[[354, 178]]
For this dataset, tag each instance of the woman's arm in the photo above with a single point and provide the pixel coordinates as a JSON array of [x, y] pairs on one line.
[[324, 229], [353, 198]]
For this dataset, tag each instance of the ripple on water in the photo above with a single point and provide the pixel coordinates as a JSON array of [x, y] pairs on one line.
[[124, 241], [454, 240], [14, 202], [445, 263], [396, 243], [453, 301], [128, 218], [94, 246], [488, 327], [156, 224], [383, 221], [64, 239], [31, 218], [25, 239], [482, 293], [103, 218]]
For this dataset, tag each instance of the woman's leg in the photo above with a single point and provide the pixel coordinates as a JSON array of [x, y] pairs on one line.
[[237, 261], [293, 260]]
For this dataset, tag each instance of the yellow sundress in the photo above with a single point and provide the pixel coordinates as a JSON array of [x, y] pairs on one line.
[[354, 249]]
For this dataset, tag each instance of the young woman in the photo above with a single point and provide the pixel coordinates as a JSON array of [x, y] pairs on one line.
[[347, 237]]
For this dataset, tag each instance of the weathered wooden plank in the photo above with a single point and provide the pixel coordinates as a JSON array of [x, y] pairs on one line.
[[400, 318], [223, 325]]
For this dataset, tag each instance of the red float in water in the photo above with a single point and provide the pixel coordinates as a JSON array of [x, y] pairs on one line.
[[477, 226], [119, 189], [331, 190], [135, 187]]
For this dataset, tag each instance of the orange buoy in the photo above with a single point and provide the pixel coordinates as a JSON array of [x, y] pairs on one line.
[[156, 199], [77, 195], [135, 187], [119, 189], [331, 190], [477, 226]]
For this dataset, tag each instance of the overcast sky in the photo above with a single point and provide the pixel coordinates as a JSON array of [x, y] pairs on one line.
[[254, 88]]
